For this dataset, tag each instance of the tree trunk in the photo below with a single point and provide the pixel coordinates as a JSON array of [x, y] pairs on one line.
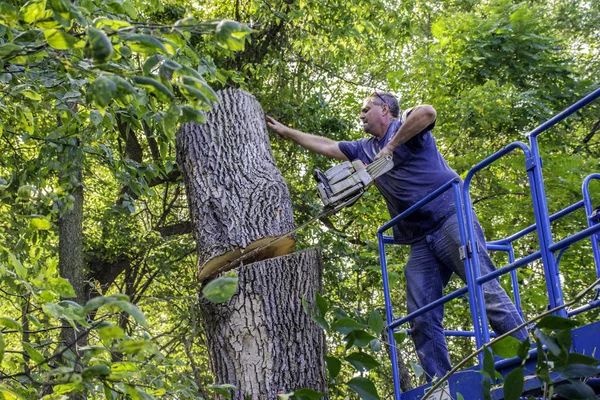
[[237, 197], [70, 251], [261, 340]]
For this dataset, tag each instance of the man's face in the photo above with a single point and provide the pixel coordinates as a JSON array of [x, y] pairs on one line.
[[372, 116]]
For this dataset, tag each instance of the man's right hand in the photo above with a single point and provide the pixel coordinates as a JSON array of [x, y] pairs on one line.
[[277, 127]]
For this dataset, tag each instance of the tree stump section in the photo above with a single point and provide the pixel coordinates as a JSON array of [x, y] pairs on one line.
[[260, 340], [237, 197]]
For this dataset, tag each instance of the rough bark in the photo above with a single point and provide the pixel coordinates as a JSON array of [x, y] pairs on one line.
[[70, 256], [261, 340], [237, 197]]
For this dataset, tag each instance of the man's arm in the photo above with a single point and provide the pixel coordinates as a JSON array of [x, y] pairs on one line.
[[316, 144], [419, 119]]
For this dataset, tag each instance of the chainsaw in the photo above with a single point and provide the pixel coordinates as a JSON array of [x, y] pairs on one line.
[[342, 185]]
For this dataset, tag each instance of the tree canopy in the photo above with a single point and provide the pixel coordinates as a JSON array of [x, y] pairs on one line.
[[92, 93]]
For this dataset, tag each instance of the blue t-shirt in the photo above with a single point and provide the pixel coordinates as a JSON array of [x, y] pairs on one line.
[[419, 169]]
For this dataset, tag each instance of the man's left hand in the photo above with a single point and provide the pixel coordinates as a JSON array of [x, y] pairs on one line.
[[384, 152]]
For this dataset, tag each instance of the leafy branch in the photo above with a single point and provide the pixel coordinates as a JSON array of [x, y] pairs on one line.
[[458, 366]]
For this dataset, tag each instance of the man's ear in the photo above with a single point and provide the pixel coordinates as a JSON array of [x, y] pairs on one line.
[[385, 109]]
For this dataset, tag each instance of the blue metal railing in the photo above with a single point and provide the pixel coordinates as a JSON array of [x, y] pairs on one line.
[[475, 281]]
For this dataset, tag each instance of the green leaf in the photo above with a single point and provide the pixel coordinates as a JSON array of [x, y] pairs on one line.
[[307, 394], [375, 345], [400, 336], [19, 268], [61, 287], [151, 62], [10, 324], [101, 91], [124, 88], [346, 325], [334, 366], [576, 358], [193, 94], [507, 347], [9, 48], [523, 350], [30, 94], [35, 355], [114, 24], [202, 86], [547, 341], [223, 390], [577, 370], [575, 390], [155, 88], [305, 306], [100, 301], [65, 388], [9, 394], [488, 363], [125, 367], [68, 309], [170, 119], [221, 289], [362, 361], [27, 37], [134, 347], [132, 310], [191, 114], [231, 34], [96, 117], [109, 333], [96, 370], [41, 224], [322, 306], [364, 388], [34, 10], [513, 384], [60, 40], [417, 369], [98, 46], [187, 71], [376, 321], [556, 323], [145, 44], [8, 14], [322, 322], [361, 338]]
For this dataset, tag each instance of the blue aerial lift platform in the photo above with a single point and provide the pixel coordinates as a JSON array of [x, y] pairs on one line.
[[585, 339]]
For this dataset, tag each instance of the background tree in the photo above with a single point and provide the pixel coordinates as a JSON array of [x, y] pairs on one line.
[[493, 70]]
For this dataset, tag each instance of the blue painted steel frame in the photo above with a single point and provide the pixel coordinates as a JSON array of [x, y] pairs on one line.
[[587, 199], [455, 184], [476, 271], [467, 235]]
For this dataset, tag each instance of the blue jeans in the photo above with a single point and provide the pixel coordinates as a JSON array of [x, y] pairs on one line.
[[430, 265]]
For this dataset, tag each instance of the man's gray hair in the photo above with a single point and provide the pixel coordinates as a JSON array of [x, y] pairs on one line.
[[390, 100]]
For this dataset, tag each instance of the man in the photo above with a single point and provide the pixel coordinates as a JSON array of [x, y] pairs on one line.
[[432, 231]]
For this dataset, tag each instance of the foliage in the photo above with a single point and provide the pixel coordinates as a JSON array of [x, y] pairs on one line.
[[559, 370], [80, 81], [92, 92]]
